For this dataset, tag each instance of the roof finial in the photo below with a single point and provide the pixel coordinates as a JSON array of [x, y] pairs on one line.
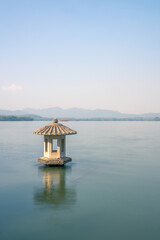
[[55, 120]]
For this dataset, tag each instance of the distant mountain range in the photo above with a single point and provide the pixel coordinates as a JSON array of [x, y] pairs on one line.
[[77, 113]]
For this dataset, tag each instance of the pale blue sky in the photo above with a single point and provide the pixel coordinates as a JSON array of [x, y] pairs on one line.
[[80, 53]]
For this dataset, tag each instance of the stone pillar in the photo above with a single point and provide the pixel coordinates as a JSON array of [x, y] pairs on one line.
[[58, 147], [46, 146]]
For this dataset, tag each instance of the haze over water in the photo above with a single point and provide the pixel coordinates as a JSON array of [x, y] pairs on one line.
[[109, 191]]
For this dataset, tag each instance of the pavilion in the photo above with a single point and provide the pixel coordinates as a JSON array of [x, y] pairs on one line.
[[54, 143]]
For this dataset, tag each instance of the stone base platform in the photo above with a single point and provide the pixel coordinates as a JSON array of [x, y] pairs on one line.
[[54, 161]]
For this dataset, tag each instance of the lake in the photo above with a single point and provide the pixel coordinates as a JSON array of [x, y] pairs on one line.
[[110, 190]]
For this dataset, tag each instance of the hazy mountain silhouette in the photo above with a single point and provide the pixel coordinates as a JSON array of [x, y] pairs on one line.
[[76, 113]]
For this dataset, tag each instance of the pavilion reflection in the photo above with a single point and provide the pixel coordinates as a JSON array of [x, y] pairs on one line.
[[55, 192]]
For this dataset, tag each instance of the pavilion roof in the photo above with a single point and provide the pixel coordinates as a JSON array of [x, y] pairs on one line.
[[55, 128]]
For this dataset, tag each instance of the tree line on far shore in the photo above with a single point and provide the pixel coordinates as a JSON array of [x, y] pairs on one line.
[[38, 118], [15, 118]]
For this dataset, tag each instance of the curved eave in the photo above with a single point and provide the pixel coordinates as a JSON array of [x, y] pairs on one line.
[[50, 134]]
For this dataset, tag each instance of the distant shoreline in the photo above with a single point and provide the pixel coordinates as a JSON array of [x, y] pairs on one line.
[[27, 118]]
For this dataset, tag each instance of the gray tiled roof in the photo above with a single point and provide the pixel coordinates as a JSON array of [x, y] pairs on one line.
[[54, 128]]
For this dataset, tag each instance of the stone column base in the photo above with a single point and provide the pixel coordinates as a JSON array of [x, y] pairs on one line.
[[54, 161]]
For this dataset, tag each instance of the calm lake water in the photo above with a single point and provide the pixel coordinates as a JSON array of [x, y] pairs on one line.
[[111, 190]]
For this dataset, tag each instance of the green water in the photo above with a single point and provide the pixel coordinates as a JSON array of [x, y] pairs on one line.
[[111, 190]]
